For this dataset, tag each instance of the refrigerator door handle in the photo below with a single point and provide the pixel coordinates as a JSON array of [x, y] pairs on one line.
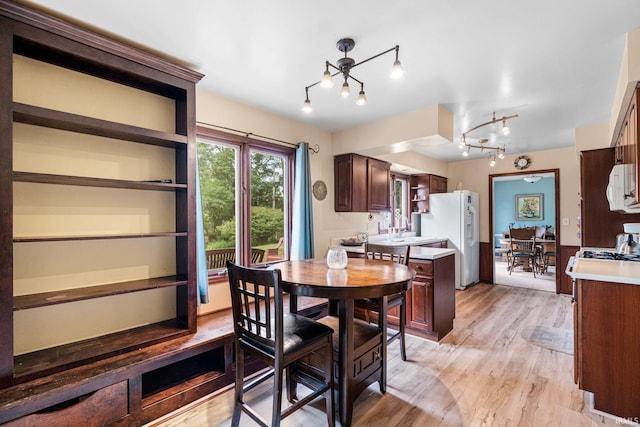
[[475, 231]]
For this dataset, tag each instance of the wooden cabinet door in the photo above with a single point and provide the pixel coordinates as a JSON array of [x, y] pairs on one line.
[[350, 176], [421, 309], [420, 301], [599, 224], [437, 184], [379, 185]]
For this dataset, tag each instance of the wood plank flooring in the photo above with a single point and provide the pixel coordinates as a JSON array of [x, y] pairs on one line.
[[484, 373]]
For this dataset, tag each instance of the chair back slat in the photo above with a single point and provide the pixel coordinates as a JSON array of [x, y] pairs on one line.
[[398, 253], [523, 239], [252, 293]]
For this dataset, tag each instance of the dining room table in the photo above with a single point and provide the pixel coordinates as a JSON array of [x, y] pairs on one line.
[[361, 347]]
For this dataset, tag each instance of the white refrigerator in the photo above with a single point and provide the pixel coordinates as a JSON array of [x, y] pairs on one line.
[[455, 216]]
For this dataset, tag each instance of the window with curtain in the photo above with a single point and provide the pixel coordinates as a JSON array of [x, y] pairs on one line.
[[246, 196]]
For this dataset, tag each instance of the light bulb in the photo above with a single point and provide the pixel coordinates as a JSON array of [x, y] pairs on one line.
[[345, 90], [326, 81], [307, 106], [465, 153], [397, 71], [362, 98], [501, 155], [461, 145], [505, 128], [492, 163]]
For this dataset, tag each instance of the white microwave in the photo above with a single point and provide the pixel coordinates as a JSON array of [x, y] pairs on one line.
[[616, 190]]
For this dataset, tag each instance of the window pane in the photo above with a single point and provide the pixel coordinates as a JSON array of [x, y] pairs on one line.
[[400, 203], [218, 173], [268, 205]]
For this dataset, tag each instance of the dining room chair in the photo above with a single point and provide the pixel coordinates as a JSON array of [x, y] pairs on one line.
[[546, 260], [285, 341], [400, 254], [524, 250]]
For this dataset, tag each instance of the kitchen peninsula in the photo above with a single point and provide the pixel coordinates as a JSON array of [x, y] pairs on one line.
[[607, 333], [431, 299]]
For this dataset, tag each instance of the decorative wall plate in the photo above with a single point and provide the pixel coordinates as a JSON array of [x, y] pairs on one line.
[[522, 162], [319, 190]]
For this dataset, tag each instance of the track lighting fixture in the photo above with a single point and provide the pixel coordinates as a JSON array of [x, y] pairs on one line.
[[482, 143], [307, 104], [344, 66]]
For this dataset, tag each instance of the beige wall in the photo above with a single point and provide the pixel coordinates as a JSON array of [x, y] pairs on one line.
[[474, 176]]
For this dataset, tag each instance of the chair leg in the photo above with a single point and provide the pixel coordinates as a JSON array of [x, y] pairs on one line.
[[292, 385], [403, 320], [533, 266], [328, 377], [276, 411], [237, 396]]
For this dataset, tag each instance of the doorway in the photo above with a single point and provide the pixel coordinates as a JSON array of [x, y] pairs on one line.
[[525, 199]]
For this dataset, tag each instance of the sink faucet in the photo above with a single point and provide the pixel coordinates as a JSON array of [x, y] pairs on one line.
[[397, 232]]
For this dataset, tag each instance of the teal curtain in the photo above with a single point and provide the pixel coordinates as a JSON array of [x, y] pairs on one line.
[[302, 215], [203, 277]]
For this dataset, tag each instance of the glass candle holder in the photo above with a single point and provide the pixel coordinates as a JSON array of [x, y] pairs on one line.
[[337, 258]]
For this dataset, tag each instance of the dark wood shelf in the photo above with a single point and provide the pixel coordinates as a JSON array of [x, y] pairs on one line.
[[23, 302], [179, 377], [60, 358], [45, 178], [39, 116], [28, 239]]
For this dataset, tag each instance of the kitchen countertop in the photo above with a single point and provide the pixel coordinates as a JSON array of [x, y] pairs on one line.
[[421, 252], [417, 251], [606, 270]]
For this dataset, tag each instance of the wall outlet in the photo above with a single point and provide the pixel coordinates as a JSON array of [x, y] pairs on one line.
[[565, 221]]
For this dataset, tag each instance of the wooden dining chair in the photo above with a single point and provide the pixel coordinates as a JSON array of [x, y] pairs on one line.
[[286, 342], [400, 254], [523, 248]]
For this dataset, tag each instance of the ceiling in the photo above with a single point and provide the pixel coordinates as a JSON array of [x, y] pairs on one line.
[[554, 63]]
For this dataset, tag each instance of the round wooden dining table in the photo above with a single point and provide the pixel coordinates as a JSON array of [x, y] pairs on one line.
[[362, 278]]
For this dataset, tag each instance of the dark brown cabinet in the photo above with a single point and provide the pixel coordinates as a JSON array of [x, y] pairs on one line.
[[437, 184], [606, 345], [599, 224], [627, 151], [421, 186], [362, 184], [431, 300]]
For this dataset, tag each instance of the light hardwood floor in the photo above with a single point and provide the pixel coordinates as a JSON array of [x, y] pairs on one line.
[[484, 373]]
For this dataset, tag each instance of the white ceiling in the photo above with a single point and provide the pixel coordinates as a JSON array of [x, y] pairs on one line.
[[555, 63]]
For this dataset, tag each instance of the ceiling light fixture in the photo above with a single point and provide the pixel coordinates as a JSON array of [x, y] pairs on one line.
[[532, 178], [482, 143], [344, 66]]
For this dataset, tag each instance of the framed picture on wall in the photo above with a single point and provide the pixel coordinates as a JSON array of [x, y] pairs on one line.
[[529, 207]]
